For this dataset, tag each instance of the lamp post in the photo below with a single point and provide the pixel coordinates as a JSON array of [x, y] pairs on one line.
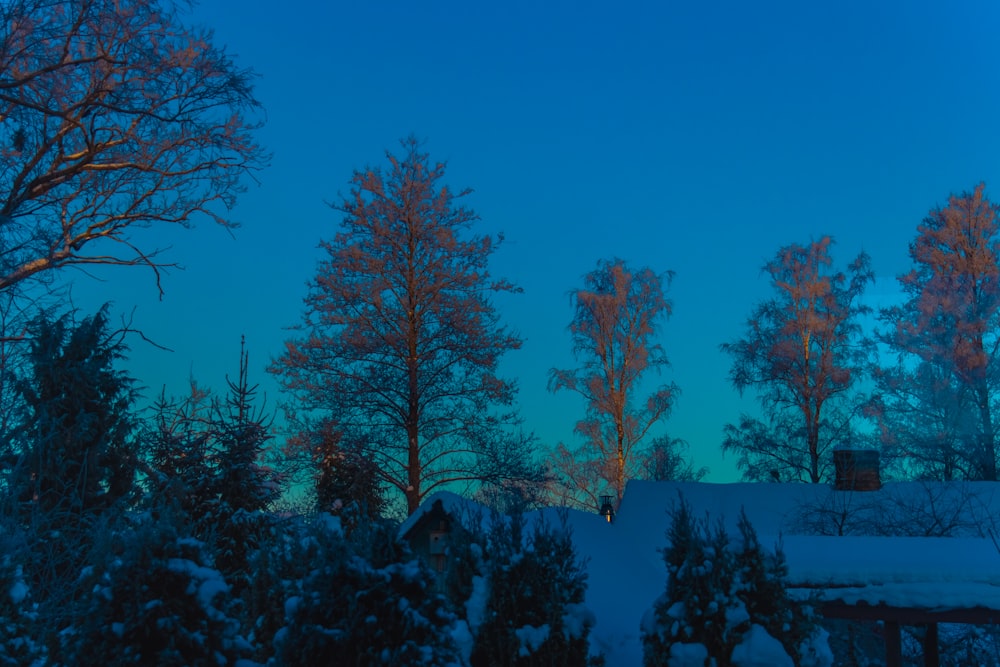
[[607, 508]]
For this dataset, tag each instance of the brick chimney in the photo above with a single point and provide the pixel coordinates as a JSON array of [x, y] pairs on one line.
[[856, 470]]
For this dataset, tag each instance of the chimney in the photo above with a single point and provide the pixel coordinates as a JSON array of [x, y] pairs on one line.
[[856, 470]]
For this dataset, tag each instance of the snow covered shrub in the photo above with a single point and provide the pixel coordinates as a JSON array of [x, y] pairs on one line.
[[266, 596], [761, 587], [465, 584], [366, 600], [17, 641], [534, 612], [726, 606], [280, 565], [158, 601], [700, 605]]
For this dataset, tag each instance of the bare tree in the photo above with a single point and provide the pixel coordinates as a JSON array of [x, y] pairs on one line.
[[948, 332], [113, 116], [401, 340], [613, 329], [803, 347]]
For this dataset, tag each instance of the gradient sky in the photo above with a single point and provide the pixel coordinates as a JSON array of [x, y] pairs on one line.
[[687, 136]]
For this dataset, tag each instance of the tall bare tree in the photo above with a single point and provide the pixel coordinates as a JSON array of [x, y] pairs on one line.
[[401, 341], [114, 116], [947, 338], [614, 327], [801, 349]]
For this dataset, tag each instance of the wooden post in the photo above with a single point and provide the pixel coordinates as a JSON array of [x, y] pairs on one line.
[[893, 645], [932, 653]]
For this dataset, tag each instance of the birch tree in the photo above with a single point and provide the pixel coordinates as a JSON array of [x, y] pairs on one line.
[[801, 351], [946, 336], [616, 314]]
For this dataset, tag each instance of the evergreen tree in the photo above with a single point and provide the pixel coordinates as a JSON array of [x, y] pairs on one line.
[[157, 601], [762, 589], [716, 595], [699, 606], [78, 422], [177, 443], [206, 461], [366, 596], [79, 459], [534, 613], [465, 579], [242, 486], [343, 474]]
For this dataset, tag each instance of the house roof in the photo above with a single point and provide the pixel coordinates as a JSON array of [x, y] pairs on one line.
[[870, 562]]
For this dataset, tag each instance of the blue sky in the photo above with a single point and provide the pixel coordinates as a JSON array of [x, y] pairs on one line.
[[694, 137]]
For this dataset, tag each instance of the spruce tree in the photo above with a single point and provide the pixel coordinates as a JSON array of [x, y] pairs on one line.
[[177, 444], [79, 457], [716, 594], [366, 596], [155, 598], [78, 419], [243, 487], [534, 612]]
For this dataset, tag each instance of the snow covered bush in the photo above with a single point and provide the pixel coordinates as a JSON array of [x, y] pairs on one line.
[[726, 606], [700, 605], [366, 599], [534, 612], [761, 587], [18, 645], [156, 601]]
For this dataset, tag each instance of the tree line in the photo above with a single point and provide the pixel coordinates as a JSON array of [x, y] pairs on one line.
[[920, 384], [119, 116]]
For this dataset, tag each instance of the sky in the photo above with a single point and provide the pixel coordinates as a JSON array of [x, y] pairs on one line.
[[693, 137]]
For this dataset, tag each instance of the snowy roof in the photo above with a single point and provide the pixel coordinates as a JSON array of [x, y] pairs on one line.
[[869, 562]]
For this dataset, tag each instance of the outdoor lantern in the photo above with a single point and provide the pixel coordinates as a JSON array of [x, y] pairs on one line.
[[607, 508]]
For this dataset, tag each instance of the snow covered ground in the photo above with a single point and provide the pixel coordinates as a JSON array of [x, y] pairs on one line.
[[870, 562]]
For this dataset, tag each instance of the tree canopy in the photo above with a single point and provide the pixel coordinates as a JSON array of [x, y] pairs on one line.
[[801, 349], [114, 116], [401, 342], [614, 325], [937, 402]]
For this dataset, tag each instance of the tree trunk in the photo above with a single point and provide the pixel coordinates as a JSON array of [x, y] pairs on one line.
[[987, 446], [812, 436], [414, 469], [620, 463]]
